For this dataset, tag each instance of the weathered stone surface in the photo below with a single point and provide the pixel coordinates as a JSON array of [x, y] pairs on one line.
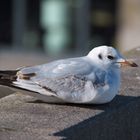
[[25, 118]]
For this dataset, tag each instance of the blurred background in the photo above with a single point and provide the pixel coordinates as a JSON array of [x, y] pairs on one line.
[[35, 31]]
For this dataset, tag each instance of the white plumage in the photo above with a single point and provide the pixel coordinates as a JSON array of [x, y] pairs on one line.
[[93, 79]]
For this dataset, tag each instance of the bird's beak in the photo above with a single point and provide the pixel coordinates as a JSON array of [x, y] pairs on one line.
[[125, 62]]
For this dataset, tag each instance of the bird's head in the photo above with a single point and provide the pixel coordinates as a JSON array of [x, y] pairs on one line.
[[108, 57]]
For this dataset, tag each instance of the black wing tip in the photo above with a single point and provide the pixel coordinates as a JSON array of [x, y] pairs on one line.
[[7, 77]]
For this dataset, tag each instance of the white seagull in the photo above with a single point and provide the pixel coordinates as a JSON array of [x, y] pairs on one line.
[[92, 79]]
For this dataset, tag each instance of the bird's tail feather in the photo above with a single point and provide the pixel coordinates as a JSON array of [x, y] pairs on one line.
[[10, 78], [7, 77]]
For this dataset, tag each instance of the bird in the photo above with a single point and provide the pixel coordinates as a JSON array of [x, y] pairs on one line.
[[91, 79]]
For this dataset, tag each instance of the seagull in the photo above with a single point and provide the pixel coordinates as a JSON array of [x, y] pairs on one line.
[[91, 79]]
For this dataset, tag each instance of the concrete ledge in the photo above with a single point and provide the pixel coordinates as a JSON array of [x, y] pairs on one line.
[[25, 118]]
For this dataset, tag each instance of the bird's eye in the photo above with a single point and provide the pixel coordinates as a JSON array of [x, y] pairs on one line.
[[100, 56], [110, 57]]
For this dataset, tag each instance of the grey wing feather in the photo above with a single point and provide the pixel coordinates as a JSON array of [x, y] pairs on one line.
[[69, 84], [60, 68], [59, 76], [55, 74]]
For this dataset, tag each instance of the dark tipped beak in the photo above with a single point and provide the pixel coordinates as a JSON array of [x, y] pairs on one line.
[[124, 62]]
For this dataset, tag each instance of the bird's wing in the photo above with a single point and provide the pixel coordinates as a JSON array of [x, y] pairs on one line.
[[60, 68], [63, 76]]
